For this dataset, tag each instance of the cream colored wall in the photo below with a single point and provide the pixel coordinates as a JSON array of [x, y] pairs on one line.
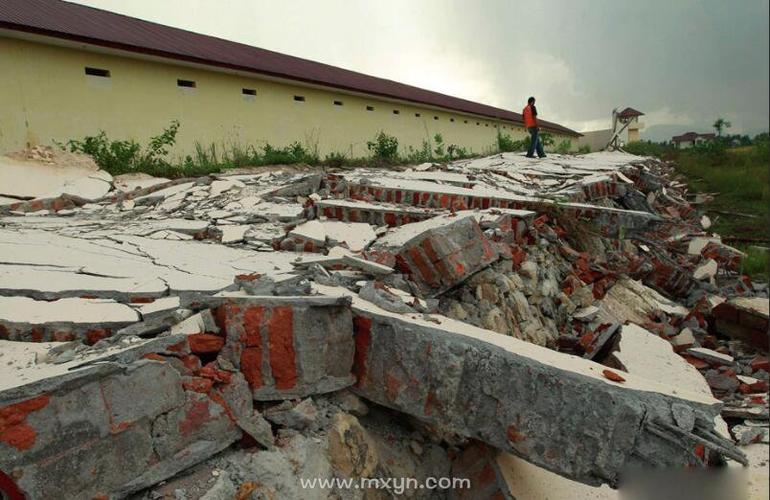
[[45, 96]]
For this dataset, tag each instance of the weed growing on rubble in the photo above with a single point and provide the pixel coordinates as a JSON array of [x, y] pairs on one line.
[[384, 148], [505, 144], [564, 147], [120, 157]]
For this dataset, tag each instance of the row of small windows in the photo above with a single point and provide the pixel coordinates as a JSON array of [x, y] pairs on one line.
[[105, 73]]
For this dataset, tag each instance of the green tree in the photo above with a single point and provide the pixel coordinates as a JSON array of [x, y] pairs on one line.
[[721, 124]]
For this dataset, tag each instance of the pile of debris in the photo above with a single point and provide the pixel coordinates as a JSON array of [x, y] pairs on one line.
[[234, 335]]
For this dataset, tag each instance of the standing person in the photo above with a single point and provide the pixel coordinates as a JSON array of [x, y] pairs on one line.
[[530, 123]]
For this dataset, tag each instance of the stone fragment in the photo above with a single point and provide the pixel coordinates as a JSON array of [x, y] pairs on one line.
[[710, 356], [295, 416], [587, 314], [706, 271], [745, 318]]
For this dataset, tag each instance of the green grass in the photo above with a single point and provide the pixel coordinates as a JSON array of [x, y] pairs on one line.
[[740, 181]]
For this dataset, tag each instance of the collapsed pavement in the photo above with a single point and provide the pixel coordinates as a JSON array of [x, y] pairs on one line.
[[575, 313]]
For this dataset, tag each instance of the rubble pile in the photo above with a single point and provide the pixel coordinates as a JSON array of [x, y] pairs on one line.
[[231, 335]]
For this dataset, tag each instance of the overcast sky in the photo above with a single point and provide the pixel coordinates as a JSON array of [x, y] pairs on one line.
[[682, 62]]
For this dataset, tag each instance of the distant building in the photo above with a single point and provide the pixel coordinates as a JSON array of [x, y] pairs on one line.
[[69, 71], [625, 124], [631, 116], [690, 139]]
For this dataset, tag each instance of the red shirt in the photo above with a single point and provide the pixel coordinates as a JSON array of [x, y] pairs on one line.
[[530, 120]]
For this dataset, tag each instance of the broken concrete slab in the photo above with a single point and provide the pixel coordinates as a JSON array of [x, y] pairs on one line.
[[60, 172], [52, 282], [438, 253], [26, 319], [711, 356], [135, 181], [643, 353], [745, 318], [134, 421], [630, 300], [501, 377]]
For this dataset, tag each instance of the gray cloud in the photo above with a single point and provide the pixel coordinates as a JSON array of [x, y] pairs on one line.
[[683, 63]]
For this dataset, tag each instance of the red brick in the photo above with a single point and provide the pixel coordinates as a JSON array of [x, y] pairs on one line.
[[280, 328], [205, 343], [362, 333]]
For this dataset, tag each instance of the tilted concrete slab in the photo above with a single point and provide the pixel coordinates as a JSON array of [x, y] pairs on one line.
[[438, 253], [557, 411], [113, 421]]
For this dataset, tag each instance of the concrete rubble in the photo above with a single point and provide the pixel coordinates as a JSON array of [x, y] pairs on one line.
[[541, 328]]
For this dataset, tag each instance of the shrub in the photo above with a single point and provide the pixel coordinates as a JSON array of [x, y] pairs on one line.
[[647, 148], [421, 155], [384, 147], [293, 153], [119, 157], [439, 149], [505, 144], [547, 139], [584, 149], [564, 147], [335, 159], [455, 152]]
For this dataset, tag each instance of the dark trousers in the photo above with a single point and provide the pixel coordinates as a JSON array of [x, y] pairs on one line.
[[535, 143]]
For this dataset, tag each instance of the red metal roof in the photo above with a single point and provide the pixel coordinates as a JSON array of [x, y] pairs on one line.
[[84, 24], [629, 113], [691, 136]]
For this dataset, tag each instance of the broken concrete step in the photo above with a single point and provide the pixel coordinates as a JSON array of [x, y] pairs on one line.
[[23, 318], [379, 214], [50, 282]]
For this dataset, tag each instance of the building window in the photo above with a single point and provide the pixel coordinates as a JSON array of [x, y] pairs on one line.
[[477, 123], [396, 112], [435, 117], [486, 124], [451, 119], [186, 83], [417, 115], [249, 91], [465, 121], [299, 98], [370, 108], [338, 103], [104, 73]]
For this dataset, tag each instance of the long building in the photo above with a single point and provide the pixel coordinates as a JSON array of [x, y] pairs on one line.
[[69, 71]]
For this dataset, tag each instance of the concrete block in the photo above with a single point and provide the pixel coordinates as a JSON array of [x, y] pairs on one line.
[[438, 253], [288, 347]]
